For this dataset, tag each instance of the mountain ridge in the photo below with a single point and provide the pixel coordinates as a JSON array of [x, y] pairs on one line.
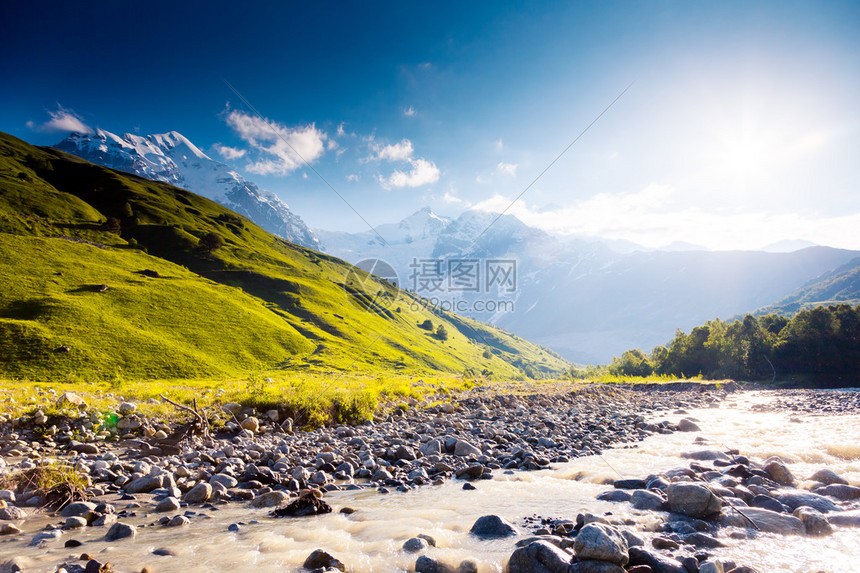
[[172, 158]]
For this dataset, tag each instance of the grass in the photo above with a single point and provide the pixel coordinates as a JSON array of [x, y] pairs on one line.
[[57, 483], [257, 303], [312, 400]]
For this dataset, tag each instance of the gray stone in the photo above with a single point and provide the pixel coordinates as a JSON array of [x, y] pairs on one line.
[[199, 493], [615, 495], [44, 537], [144, 484], [600, 542], [646, 500], [539, 557], [415, 544], [492, 527], [845, 518], [828, 477], [705, 455], [433, 447], [167, 504], [226, 480], [319, 559], [779, 472], [813, 521], [468, 566], [840, 491], [464, 449], [78, 508], [595, 567], [12, 513], [425, 564], [178, 521], [74, 522], [692, 499], [120, 530], [766, 520], [127, 408], [270, 499], [711, 567], [795, 499], [657, 563], [687, 425]]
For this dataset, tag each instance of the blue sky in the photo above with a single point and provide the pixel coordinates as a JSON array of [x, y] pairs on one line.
[[741, 127]]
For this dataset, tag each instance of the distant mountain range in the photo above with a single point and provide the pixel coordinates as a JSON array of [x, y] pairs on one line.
[[171, 158], [839, 286], [586, 299], [578, 297]]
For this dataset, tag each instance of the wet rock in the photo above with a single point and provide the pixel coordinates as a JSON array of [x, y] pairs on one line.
[[795, 499], [687, 425], [813, 521], [646, 500], [711, 567], [164, 552], [600, 542], [629, 484], [492, 527], [595, 567], [12, 513], [705, 455], [415, 544], [199, 493], [615, 495], [539, 557], [425, 564], [9, 529], [320, 559], [120, 530], [44, 537], [270, 499], [307, 504], [767, 502], [845, 518], [828, 477], [78, 508], [692, 499], [468, 566], [841, 492], [766, 520], [167, 504], [779, 472], [699, 539], [74, 522], [657, 563], [178, 521]]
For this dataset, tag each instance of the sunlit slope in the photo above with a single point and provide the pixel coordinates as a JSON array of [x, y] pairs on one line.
[[257, 302]]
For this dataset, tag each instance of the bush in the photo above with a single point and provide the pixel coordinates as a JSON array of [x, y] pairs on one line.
[[442, 333], [426, 325], [211, 242]]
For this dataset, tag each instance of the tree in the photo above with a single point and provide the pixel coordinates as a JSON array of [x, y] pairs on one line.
[[632, 363], [442, 333], [112, 225], [426, 325], [211, 242]]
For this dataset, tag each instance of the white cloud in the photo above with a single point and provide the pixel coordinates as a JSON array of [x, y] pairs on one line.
[[282, 149], [340, 131], [229, 153], [653, 217], [507, 168], [423, 172], [449, 197], [352, 177], [62, 120], [499, 143], [409, 111], [398, 152]]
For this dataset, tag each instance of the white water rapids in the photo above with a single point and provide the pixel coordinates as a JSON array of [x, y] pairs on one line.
[[370, 539]]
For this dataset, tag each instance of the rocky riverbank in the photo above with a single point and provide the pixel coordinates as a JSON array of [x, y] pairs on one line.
[[261, 460]]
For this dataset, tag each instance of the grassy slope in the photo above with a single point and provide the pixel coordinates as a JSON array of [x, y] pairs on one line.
[[257, 303], [840, 286]]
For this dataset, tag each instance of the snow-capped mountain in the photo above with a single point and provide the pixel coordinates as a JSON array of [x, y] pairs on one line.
[[581, 298], [171, 158]]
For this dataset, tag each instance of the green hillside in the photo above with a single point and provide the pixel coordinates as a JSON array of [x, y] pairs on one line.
[[103, 274], [839, 286]]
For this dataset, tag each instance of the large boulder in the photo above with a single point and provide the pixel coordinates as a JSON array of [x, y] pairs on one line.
[[319, 559], [492, 527], [601, 543], [657, 563], [270, 499], [795, 499], [828, 477], [425, 564], [144, 484], [120, 530], [539, 557], [693, 499], [814, 521], [71, 399], [199, 493], [464, 449], [765, 520], [779, 472]]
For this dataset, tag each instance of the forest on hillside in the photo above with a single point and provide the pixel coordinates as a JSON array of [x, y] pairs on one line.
[[822, 343]]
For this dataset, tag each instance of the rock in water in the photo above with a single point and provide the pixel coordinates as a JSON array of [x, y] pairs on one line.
[[766, 520], [492, 527], [425, 564], [657, 563], [320, 559], [601, 542], [814, 522], [119, 531], [199, 493], [539, 557], [693, 499], [779, 472], [596, 567], [307, 504]]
